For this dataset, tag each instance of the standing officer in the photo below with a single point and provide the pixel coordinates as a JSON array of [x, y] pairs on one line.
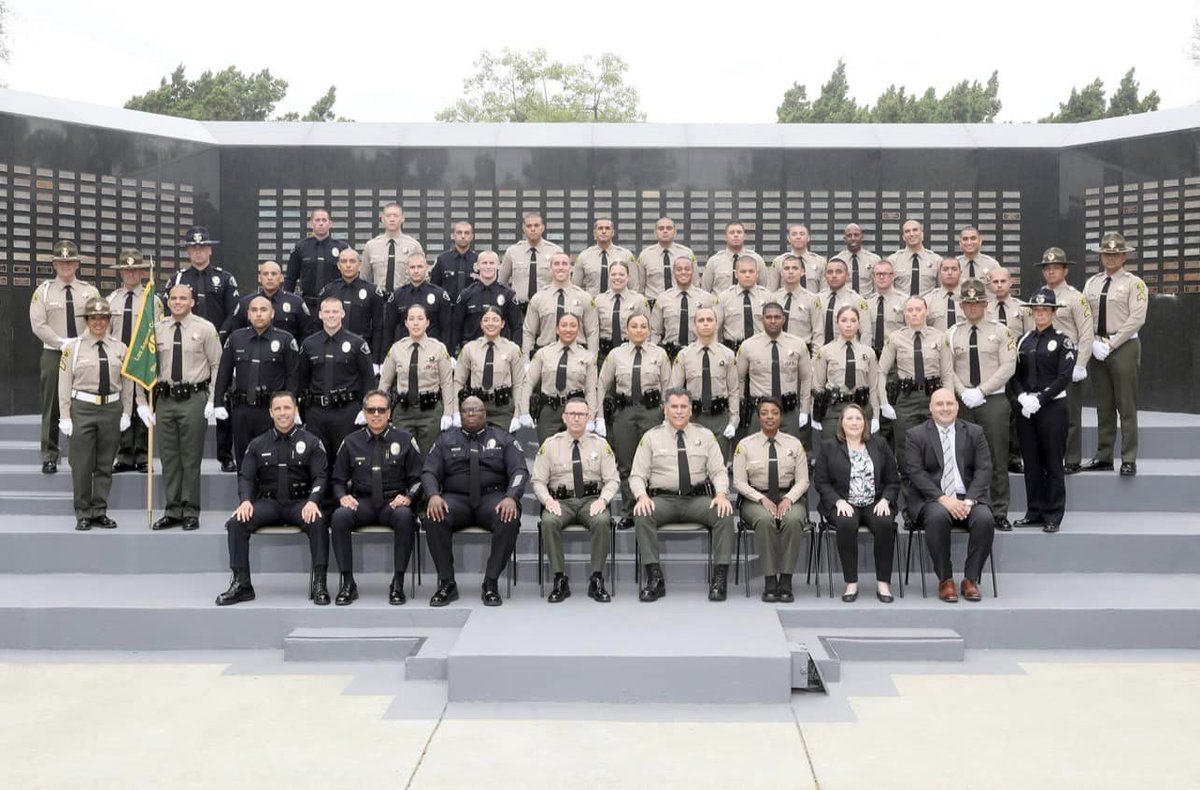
[[95, 402], [552, 302], [718, 269], [1005, 309], [709, 370], [216, 296], [740, 305], [189, 356], [916, 267], [376, 479], [657, 261], [291, 311], [985, 356], [526, 264], [281, 482], [944, 311], [777, 366], [557, 372], [973, 264], [125, 303], [920, 358], [485, 292], [860, 263], [492, 368], [615, 306], [313, 261], [362, 302], [1118, 304], [885, 306], [575, 478], [418, 290], [335, 369], [830, 302], [255, 362], [454, 269], [679, 476], [591, 265], [671, 324], [812, 266], [417, 368], [473, 476], [770, 473], [798, 302], [1073, 318], [53, 317], [843, 371], [386, 257], [1045, 359]]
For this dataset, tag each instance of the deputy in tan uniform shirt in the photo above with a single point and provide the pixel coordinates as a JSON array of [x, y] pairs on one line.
[[860, 262], [789, 382], [813, 273], [492, 368], [385, 257], [975, 264], [906, 394], [679, 477], [836, 295], [557, 372], [417, 369], [717, 396], [552, 301], [944, 309], [591, 265], [125, 303], [53, 317], [798, 302], [615, 306], [671, 320], [834, 384], [740, 306], [1074, 319], [980, 377], [532, 252], [575, 478], [1003, 307], [95, 402], [770, 473], [927, 262], [885, 306], [718, 269], [657, 261]]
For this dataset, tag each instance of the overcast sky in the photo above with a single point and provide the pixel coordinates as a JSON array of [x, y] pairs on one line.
[[405, 61]]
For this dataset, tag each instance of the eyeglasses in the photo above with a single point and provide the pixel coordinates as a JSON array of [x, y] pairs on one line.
[[375, 410]]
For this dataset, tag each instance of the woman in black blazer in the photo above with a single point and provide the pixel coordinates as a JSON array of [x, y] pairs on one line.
[[858, 484]]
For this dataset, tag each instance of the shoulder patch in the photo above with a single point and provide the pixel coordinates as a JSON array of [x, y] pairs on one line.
[[295, 347], [542, 450], [364, 348]]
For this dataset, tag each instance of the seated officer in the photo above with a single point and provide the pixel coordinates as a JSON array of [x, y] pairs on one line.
[[575, 478], [474, 476], [679, 477], [770, 472], [376, 477], [281, 480]]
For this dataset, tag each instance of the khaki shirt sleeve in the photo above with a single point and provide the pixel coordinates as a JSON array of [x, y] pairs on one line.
[[387, 371], [39, 321], [532, 376], [875, 383], [516, 369], [212, 353], [610, 476], [733, 386], [504, 273], [127, 388], [804, 383], [887, 359], [446, 384], [591, 327], [462, 372], [639, 470], [541, 473], [66, 378], [677, 379], [706, 280], [591, 391], [741, 481], [716, 469], [1008, 364], [946, 359], [1081, 311], [608, 375], [820, 370], [530, 328], [656, 322], [1138, 302], [800, 472]]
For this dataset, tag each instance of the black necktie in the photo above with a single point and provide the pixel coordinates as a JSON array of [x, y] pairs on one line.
[[635, 381], [803, 273], [706, 383], [282, 484], [560, 306], [72, 330], [914, 286], [474, 477], [974, 357], [683, 319], [603, 271], [685, 473], [854, 271], [105, 381], [377, 469], [489, 365], [1102, 312], [177, 355], [776, 383], [877, 342], [330, 353], [532, 271], [918, 360], [1002, 312], [747, 316], [971, 268], [127, 319], [391, 269], [413, 363], [951, 316], [851, 373], [616, 321], [256, 344], [560, 378], [829, 317], [787, 311], [772, 472], [667, 278], [577, 468]]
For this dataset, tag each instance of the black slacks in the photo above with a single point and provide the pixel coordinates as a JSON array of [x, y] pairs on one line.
[[270, 513], [1043, 446], [883, 533], [460, 516], [369, 512], [981, 528], [247, 421], [332, 424]]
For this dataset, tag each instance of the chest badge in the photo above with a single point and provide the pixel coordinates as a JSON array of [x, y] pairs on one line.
[[216, 281], [334, 252], [287, 307], [362, 293], [1053, 344], [431, 299], [395, 448], [301, 447], [491, 444], [500, 300], [274, 345], [346, 347]]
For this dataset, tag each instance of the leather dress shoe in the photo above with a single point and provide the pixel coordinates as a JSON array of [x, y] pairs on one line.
[[1050, 527], [142, 467], [166, 522], [104, 522], [783, 588], [1029, 522], [1071, 469], [1128, 469], [768, 594], [239, 590], [1016, 467], [596, 589], [718, 590], [884, 598], [625, 523], [228, 466], [1003, 525], [946, 591], [49, 467], [561, 591], [654, 586], [396, 596], [319, 592], [491, 593], [83, 524], [447, 592], [190, 523], [347, 592], [1094, 465], [850, 597], [970, 590], [122, 466]]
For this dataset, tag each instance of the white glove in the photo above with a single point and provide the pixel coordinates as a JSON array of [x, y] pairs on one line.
[[221, 413], [453, 363], [817, 425], [887, 410], [378, 369], [1029, 403], [514, 425], [527, 421], [209, 414], [145, 415], [447, 421], [299, 421], [360, 418], [601, 428], [729, 431], [1025, 414], [973, 398], [457, 420], [126, 421], [1101, 350], [66, 427], [591, 426], [1078, 374], [874, 425], [802, 420]]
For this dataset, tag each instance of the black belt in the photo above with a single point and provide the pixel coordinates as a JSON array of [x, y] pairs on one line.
[[905, 386], [705, 488], [589, 489], [716, 406], [482, 491], [180, 390], [650, 399], [331, 399], [255, 397], [788, 401], [425, 400], [860, 395], [554, 401], [298, 492], [501, 396]]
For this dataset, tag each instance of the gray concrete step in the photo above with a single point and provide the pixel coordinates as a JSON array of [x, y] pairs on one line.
[[350, 644]]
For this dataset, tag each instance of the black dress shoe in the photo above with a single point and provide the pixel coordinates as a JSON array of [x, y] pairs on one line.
[[850, 597], [166, 522], [447, 592], [883, 598], [1016, 467], [104, 522], [239, 590], [1094, 465], [347, 591], [228, 466], [596, 589], [783, 589], [718, 590], [143, 467], [561, 591], [319, 592], [1071, 469], [1029, 522], [1128, 469], [1003, 525], [490, 594], [396, 596], [190, 523], [768, 594], [1050, 527], [83, 524], [121, 466], [624, 524], [654, 587], [49, 467]]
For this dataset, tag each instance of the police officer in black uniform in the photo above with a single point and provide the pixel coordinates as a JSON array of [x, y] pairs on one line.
[[454, 269], [376, 479], [313, 262], [362, 303], [255, 362], [1045, 361], [418, 290], [336, 370], [474, 476], [485, 292], [281, 482], [291, 313]]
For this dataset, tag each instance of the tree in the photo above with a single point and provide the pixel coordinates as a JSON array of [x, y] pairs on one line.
[[1124, 100], [834, 105], [516, 87], [1088, 104], [322, 110], [227, 95]]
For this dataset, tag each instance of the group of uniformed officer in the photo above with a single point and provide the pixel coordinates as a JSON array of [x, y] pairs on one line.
[[625, 339]]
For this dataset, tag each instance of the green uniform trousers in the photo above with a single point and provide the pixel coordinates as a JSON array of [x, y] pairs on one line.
[[499, 416], [778, 543], [132, 448], [181, 427], [670, 509], [425, 426], [1075, 420], [48, 386], [1115, 381], [575, 511], [912, 409], [95, 434], [549, 422], [628, 425], [715, 423], [993, 417]]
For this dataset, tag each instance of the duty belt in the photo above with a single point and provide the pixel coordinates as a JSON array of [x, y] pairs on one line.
[[179, 391], [97, 400], [389, 494], [650, 399], [905, 386], [705, 488], [717, 406], [860, 395], [483, 490], [589, 489], [258, 396], [298, 491], [332, 399], [788, 401], [554, 401], [425, 400], [501, 396]]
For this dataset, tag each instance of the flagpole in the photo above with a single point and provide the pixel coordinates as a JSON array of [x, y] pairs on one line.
[[150, 428]]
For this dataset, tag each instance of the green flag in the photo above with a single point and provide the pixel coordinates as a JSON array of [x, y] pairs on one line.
[[141, 362]]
